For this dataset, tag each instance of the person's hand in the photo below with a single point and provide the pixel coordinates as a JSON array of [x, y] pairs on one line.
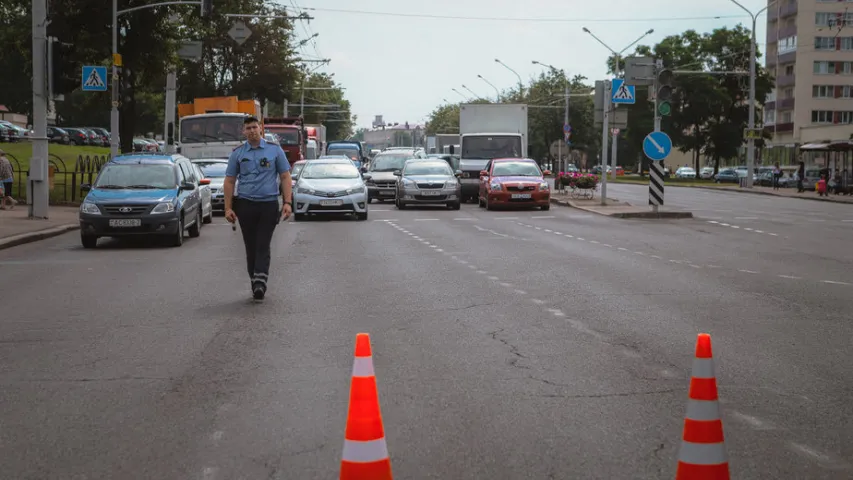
[[230, 216], [286, 210]]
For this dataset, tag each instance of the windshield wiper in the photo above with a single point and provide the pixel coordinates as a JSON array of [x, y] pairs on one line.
[[105, 187], [143, 186]]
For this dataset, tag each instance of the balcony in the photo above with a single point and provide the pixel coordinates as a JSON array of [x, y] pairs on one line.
[[771, 105], [788, 31], [788, 9], [781, 128], [785, 81], [786, 104], [787, 57]]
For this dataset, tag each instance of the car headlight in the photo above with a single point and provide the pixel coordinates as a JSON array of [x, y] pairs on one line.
[[165, 207], [355, 190], [305, 190], [544, 187], [408, 183], [452, 184], [90, 208], [495, 187]]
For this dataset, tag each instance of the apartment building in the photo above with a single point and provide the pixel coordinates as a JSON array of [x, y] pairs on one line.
[[810, 53]]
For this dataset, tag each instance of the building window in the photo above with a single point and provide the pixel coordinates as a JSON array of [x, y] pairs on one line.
[[789, 70], [821, 19], [822, 68], [846, 43], [824, 43], [845, 117], [788, 44], [823, 91], [821, 116], [786, 117], [847, 91], [769, 117]]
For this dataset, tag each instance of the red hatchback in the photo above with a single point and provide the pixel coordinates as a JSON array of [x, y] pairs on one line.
[[514, 182]]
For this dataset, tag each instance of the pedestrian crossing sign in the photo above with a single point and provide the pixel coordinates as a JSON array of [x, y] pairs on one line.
[[94, 79], [623, 93]]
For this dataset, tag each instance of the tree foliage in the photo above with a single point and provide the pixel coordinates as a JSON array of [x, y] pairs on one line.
[[265, 67]]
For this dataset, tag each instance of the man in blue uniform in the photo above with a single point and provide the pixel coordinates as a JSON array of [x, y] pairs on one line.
[[264, 174]]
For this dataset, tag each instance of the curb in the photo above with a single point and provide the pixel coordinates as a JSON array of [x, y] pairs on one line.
[[649, 214], [30, 237], [740, 190]]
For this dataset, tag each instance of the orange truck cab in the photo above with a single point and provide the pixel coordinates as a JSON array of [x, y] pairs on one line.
[[212, 127]]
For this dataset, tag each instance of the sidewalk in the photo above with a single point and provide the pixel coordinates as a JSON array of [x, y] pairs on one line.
[[17, 229]]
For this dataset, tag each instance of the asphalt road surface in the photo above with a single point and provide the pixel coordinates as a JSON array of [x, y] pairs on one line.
[[507, 345]]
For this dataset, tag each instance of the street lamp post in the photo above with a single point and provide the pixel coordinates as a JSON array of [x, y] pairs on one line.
[[520, 83], [497, 92], [618, 57], [460, 94], [472, 92], [750, 142]]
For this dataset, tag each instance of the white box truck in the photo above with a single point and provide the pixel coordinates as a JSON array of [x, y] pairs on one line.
[[489, 131]]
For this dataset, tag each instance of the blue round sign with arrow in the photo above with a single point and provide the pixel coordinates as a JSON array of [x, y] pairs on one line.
[[657, 146]]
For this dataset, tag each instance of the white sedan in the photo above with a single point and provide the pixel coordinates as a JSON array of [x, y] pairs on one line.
[[685, 172], [329, 187]]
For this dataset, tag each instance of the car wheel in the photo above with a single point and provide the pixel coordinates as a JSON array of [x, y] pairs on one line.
[[488, 204], [298, 217], [178, 238], [480, 202], [89, 241], [455, 205], [400, 205], [195, 229], [546, 207], [361, 216], [209, 218]]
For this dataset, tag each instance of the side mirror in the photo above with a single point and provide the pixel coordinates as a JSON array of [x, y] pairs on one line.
[[204, 181], [187, 186], [458, 173], [484, 173], [85, 187], [398, 173]]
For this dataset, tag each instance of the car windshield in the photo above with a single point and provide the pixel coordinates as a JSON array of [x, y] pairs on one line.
[[329, 170], [489, 147], [349, 152], [287, 136], [213, 170], [137, 176], [294, 170], [427, 168], [516, 169], [388, 162], [212, 129]]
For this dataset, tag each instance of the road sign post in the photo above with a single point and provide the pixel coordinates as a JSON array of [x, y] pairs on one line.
[[607, 95], [656, 146]]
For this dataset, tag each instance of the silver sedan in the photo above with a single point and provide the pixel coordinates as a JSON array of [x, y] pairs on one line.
[[329, 187], [428, 182]]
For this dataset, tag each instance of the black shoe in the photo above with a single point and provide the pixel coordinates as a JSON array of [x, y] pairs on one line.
[[258, 291]]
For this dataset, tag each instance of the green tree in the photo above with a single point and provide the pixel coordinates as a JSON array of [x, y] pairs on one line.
[[444, 119], [338, 120], [15, 57]]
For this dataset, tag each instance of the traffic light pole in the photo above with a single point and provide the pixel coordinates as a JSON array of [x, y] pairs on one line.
[[605, 124]]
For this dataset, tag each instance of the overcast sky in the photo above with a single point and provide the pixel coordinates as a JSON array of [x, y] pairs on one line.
[[396, 61]]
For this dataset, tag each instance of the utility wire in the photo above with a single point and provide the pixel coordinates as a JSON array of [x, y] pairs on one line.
[[521, 19]]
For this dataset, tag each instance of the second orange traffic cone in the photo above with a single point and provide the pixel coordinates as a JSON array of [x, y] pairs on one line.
[[365, 455], [702, 455]]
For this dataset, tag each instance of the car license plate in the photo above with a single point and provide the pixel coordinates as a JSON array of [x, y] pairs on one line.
[[331, 203], [431, 193], [387, 193], [126, 222], [521, 195]]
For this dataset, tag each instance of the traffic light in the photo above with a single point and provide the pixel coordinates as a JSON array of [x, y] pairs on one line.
[[126, 85], [665, 79], [206, 8]]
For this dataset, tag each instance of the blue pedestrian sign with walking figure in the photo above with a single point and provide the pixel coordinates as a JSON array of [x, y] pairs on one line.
[[657, 146], [94, 79], [625, 94]]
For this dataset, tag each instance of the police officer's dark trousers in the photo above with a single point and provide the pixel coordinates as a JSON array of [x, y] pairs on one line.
[[257, 222]]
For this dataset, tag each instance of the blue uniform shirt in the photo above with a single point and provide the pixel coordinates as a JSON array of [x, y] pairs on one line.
[[258, 170]]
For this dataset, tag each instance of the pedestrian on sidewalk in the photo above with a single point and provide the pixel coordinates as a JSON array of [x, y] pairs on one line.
[[7, 178], [777, 174], [264, 173], [801, 175]]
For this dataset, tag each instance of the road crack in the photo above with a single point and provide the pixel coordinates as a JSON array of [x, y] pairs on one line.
[[513, 349], [607, 395]]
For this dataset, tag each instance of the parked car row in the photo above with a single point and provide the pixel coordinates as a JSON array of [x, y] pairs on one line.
[[146, 195]]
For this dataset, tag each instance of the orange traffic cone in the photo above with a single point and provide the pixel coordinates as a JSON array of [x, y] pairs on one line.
[[365, 455], [702, 455]]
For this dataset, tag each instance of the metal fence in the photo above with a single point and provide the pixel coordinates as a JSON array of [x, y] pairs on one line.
[[65, 179]]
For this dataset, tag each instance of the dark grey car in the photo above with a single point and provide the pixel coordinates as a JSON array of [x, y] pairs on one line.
[[426, 182]]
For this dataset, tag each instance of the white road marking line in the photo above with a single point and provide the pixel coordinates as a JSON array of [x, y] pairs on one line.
[[656, 256], [538, 228], [639, 253], [425, 219], [558, 233], [507, 218], [537, 301], [594, 241], [847, 221], [832, 282], [472, 267], [439, 250], [747, 271], [735, 226], [623, 249], [775, 235], [753, 422], [492, 277], [713, 221], [549, 231], [747, 229], [725, 224], [822, 458], [607, 245], [570, 236], [556, 312], [464, 219], [759, 231], [217, 435], [544, 216], [713, 266], [695, 266], [789, 277], [520, 292], [581, 239], [675, 261], [504, 284], [433, 246], [482, 272], [416, 237]]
